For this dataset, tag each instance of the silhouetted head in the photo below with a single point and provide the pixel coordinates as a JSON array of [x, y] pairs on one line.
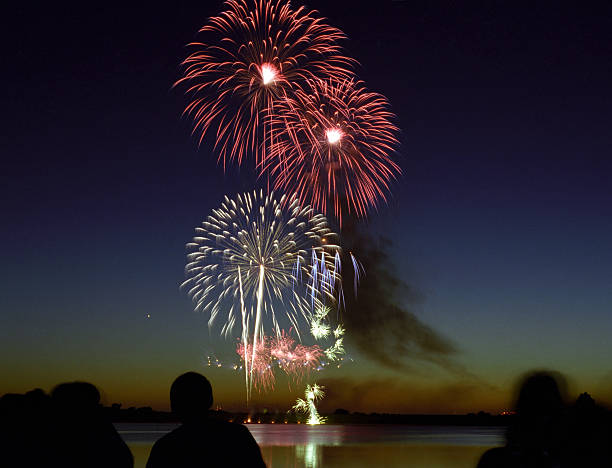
[[190, 396], [76, 397], [539, 394]]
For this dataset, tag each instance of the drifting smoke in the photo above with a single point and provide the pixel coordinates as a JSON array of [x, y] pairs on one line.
[[378, 318], [409, 396]]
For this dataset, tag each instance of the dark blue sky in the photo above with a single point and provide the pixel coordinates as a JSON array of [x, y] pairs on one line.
[[502, 218]]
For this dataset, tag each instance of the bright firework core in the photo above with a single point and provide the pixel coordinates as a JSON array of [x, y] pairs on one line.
[[268, 73], [333, 135]]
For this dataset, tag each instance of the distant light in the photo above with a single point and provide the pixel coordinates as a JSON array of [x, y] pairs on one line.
[[148, 316], [268, 73], [333, 135]]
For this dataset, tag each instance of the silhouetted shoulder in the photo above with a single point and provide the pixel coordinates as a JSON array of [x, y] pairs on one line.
[[507, 457], [504, 457], [207, 443], [497, 457], [202, 441]]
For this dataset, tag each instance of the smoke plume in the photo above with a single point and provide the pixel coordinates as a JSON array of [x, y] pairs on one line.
[[378, 318]]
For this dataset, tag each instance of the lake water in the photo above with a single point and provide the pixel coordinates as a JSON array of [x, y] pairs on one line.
[[391, 446]]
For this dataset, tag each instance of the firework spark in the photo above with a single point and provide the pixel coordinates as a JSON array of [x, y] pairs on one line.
[[318, 328], [332, 144], [312, 394], [255, 53], [241, 269], [334, 352]]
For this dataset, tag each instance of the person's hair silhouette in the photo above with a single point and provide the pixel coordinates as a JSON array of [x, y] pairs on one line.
[[200, 440], [76, 398], [539, 395], [534, 438]]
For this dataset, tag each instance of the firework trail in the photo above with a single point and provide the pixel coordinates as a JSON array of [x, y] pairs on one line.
[[312, 393], [241, 268], [332, 144], [255, 53], [358, 270], [262, 373]]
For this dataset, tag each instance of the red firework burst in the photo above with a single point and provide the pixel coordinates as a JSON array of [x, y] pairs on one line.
[[258, 51], [295, 359], [332, 146]]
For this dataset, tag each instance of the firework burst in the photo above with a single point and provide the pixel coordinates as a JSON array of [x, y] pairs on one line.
[[320, 329], [255, 53], [312, 394], [295, 359], [248, 267], [283, 352], [332, 144]]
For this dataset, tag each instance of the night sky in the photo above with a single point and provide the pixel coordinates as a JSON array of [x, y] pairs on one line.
[[501, 222]]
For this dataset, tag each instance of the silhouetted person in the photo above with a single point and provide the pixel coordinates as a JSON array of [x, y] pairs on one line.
[[83, 436], [535, 438], [589, 441], [545, 434], [201, 441], [25, 429]]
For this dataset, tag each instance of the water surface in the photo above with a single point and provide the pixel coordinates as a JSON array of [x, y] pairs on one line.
[[334, 446]]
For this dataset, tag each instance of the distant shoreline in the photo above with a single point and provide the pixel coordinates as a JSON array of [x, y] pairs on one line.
[[148, 415]]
